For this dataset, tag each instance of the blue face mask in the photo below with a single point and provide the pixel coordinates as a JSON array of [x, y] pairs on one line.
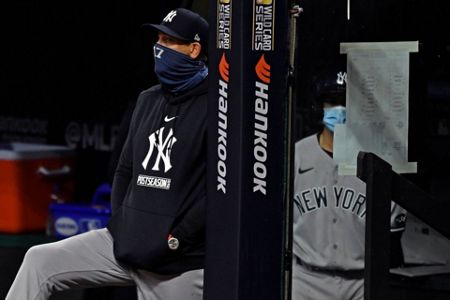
[[177, 72], [333, 115]]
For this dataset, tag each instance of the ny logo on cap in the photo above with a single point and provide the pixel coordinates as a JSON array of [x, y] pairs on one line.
[[170, 16], [197, 37], [341, 78]]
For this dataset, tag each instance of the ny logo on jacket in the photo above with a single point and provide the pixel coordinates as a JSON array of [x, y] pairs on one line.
[[163, 146]]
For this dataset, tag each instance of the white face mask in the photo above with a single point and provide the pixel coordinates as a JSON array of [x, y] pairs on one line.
[[334, 115]]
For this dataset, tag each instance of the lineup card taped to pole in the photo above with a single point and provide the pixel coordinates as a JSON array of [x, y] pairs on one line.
[[377, 105]]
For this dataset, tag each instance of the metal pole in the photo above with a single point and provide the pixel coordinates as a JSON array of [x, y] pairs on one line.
[[294, 14]]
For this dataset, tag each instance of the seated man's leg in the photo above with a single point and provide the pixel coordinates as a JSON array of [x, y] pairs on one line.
[[185, 286], [81, 261]]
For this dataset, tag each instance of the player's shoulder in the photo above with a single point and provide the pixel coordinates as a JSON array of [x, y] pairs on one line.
[[155, 89], [307, 149], [307, 142], [149, 95]]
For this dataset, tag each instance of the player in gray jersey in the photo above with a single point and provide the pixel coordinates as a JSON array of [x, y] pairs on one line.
[[329, 212]]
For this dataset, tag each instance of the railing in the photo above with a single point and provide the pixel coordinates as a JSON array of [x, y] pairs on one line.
[[384, 185]]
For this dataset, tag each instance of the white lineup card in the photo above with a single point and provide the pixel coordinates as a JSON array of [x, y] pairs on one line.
[[377, 105]]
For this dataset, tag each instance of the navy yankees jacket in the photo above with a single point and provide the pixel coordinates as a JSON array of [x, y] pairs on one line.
[[159, 187]]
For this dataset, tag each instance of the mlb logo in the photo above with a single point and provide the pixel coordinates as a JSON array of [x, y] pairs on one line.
[[264, 2]]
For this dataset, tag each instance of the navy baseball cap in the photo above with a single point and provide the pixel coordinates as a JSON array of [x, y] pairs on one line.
[[184, 25], [330, 86]]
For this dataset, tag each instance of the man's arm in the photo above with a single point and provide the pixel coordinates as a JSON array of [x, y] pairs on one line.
[[191, 227], [124, 169], [122, 176]]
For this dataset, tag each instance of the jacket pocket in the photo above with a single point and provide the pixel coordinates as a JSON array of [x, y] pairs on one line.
[[140, 238]]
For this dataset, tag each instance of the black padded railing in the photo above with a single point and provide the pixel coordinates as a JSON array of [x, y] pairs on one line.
[[385, 185]]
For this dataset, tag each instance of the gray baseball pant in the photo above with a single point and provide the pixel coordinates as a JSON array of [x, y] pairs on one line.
[[86, 261], [310, 285]]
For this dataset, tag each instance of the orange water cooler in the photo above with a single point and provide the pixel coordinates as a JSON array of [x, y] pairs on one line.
[[31, 177]]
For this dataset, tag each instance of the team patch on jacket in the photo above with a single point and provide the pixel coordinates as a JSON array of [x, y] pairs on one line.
[[154, 182]]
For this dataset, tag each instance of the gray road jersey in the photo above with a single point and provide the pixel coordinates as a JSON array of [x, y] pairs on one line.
[[329, 211]]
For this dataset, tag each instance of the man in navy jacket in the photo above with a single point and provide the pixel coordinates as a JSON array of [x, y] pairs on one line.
[[155, 238]]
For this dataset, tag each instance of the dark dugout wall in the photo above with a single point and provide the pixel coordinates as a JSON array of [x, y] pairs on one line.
[[69, 71], [324, 24]]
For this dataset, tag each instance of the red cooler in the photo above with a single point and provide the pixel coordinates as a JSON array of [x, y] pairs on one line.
[[31, 176]]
